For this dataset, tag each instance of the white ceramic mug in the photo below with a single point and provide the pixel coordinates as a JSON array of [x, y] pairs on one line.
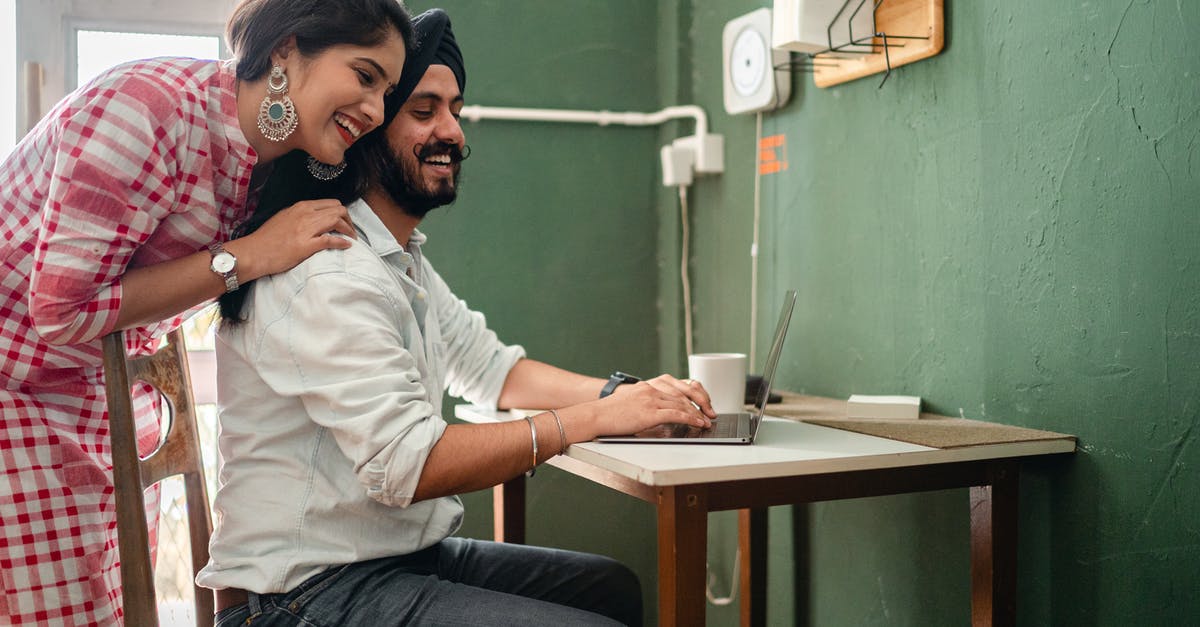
[[723, 376]]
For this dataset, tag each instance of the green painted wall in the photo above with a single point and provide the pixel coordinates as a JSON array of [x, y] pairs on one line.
[[1011, 231], [1008, 230]]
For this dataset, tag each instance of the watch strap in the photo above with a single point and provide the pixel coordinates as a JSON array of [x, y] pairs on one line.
[[615, 379], [230, 277]]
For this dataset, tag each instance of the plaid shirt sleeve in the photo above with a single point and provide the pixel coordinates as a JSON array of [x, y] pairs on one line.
[[112, 183]]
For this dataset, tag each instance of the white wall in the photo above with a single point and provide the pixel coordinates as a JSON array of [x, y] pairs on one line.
[[43, 28], [8, 77]]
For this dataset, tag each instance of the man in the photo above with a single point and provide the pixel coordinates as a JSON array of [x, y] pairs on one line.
[[337, 498]]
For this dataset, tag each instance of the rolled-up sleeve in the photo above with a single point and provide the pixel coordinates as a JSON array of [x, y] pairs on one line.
[[337, 346], [477, 361]]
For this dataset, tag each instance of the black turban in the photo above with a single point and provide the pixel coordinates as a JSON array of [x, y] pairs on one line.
[[435, 45]]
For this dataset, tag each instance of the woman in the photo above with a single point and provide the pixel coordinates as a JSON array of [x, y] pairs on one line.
[[117, 214]]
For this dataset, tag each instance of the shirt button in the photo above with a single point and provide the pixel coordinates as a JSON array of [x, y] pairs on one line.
[[420, 295]]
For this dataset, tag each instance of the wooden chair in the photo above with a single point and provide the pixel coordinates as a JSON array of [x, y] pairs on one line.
[[167, 371]]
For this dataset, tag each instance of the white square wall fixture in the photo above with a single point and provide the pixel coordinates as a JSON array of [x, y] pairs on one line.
[[813, 26], [751, 81]]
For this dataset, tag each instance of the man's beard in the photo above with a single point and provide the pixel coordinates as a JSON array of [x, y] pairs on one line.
[[400, 181]]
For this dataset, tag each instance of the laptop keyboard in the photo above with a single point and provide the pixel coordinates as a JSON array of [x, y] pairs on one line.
[[721, 429]]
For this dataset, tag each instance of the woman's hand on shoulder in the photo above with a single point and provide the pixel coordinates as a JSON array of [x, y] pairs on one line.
[[293, 235]]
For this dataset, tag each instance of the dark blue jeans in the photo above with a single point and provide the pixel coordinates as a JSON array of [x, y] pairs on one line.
[[457, 582]]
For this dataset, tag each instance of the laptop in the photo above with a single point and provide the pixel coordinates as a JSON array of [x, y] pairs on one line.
[[734, 428]]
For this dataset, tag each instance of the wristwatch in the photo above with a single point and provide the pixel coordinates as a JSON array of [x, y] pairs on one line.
[[224, 265], [615, 379]]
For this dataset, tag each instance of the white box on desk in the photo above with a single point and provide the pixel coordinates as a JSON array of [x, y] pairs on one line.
[[883, 407]]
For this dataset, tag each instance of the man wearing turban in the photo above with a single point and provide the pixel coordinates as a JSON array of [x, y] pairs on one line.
[[337, 499]]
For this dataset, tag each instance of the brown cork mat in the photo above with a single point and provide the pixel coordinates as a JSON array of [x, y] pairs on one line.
[[931, 430]]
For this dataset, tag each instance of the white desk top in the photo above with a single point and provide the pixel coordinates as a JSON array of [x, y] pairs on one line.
[[783, 448]]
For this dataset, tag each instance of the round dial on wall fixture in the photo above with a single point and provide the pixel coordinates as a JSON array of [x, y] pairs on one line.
[[748, 62], [751, 81]]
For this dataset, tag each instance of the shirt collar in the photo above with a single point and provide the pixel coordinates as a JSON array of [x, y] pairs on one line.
[[372, 231], [227, 104], [236, 156]]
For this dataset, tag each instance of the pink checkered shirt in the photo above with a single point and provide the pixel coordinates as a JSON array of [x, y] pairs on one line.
[[146, 163]]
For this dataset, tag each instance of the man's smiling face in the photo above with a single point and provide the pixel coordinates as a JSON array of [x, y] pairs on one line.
[[426, 141]]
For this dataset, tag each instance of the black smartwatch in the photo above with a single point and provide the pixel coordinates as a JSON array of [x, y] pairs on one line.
[[615, 379]]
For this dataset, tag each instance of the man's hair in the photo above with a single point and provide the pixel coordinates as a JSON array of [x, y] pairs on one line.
[[257, 27]]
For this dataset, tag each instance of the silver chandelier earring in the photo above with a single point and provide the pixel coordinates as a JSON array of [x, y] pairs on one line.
[[277, 114], [324, 171]]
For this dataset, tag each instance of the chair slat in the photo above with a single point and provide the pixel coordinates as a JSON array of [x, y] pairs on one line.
[[167, 371]]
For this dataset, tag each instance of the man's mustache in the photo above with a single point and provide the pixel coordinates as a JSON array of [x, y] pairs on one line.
[[424, 151]]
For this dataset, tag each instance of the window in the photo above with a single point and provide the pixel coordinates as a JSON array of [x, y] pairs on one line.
[[98, 50]]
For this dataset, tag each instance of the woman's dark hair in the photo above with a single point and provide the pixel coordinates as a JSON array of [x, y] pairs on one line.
[[257, 27], [289, 183]]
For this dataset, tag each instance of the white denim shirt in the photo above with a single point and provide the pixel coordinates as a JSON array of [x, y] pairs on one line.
[[330, 400]]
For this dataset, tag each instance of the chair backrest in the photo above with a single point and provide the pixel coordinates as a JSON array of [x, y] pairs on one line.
[[167, 371]]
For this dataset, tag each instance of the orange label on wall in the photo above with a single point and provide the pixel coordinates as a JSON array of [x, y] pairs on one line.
[[772, 154]]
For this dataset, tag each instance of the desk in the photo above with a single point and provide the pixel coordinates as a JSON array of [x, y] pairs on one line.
[[795, 461]]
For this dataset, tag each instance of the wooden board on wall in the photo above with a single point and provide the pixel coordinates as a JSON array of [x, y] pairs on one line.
[[912, 18]]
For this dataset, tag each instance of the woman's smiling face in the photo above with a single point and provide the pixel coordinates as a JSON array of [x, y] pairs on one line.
[[339, 93]]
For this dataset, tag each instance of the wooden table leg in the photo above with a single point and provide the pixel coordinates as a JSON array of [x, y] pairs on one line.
[[682, 546], [994, 549], [508, 511], [752, 542]]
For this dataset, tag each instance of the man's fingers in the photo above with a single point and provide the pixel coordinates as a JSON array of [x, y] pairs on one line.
[[690, 415], [698, 395], [690, 412], [690, 389]]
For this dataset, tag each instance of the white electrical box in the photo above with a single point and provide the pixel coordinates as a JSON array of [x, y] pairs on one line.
[[812, 26], [756, 78]]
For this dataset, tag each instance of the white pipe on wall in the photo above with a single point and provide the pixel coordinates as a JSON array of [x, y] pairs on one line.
[[475, 113], [704, 151]]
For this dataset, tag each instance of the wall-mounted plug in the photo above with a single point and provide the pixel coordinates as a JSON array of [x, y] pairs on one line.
[[678, 163], [689, 156], [709, 150]]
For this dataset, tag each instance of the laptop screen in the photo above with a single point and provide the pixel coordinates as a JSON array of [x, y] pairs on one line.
[[764, 390]]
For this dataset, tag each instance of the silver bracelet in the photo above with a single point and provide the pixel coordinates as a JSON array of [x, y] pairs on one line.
[[532, 434], [562, 435]]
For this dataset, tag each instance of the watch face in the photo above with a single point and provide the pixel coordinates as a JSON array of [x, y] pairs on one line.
[[621, 377], [223, 262]]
